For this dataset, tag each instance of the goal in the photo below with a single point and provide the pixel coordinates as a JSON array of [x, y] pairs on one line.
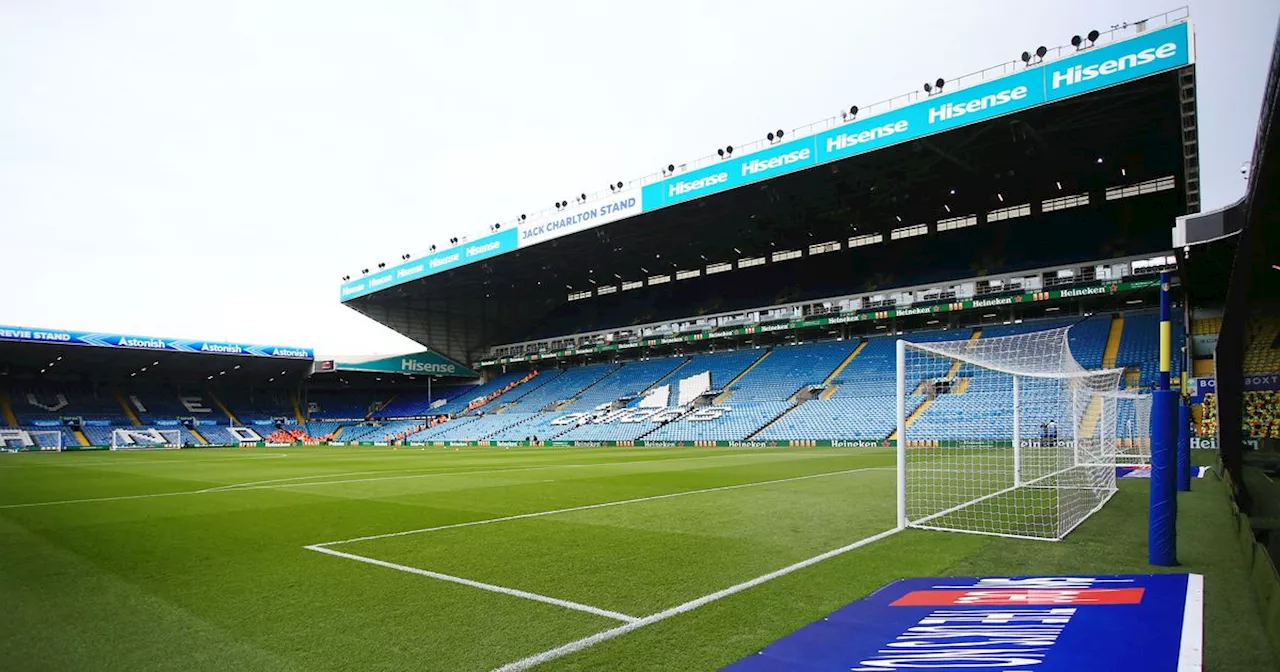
[[1006, 436], [1133, 429], [18, 440], [47, 440], [142, 439]]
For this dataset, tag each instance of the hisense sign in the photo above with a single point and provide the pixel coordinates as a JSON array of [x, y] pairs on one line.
[[425, 363]]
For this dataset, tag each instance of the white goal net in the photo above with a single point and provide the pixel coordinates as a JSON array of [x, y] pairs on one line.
[[1133, 429], [16, 440], [142, 439], [1007, 436]]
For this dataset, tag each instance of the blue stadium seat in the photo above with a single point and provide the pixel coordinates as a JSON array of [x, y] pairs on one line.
[[862, 418], [723, 366], [789, 368], [568, 384], [742, 421], [629, 380], [344, 404]]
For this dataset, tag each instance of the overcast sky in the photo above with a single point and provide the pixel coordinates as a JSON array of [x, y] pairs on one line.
[[212, 169]]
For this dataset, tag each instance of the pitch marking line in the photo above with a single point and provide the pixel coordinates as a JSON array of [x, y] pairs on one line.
[[630, 622], [482, 586], [601, 505], [592, 640]]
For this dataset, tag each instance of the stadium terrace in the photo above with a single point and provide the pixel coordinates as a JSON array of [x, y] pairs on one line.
[[776, 380]]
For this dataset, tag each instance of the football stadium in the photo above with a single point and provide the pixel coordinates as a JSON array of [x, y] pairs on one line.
[[963, 379]]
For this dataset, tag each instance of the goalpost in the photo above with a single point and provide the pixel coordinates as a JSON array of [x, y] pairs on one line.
[[143, 439], [17, 440], [1133, 429], [47, 440], [1006, 436]]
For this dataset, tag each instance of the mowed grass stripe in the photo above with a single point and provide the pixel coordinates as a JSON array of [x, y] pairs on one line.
[[234, 560], [96, 486], [643, 556]]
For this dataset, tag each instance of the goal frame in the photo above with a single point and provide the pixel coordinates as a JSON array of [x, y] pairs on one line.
[[35, 437], [172, 437], [1133, 448], [1107, 447], [40, 433]]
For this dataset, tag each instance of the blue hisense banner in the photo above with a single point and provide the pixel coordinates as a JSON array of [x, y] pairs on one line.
[[453, 257], [1090, 69]]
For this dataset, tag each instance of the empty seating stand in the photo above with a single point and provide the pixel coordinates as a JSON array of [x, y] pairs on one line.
[[787, 369]]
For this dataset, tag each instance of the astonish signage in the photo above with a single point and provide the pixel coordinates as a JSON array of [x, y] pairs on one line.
[[29, 335]]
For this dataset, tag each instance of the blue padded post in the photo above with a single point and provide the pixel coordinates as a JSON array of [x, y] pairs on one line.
[[1184, 445], [1161, 528]]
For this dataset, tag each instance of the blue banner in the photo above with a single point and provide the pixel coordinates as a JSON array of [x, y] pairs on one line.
[[29, 335], [461, 255], [941, 113], [1128, 623], [780, 159], [1089, 70], [1261, 382], [1086, 71], [1134, 58], [1203, 386], [1253, 382]]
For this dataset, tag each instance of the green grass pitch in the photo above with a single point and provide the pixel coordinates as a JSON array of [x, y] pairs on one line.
[[199, 559]]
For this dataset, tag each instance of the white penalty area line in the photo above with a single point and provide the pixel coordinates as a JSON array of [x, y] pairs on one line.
[[629, 622], [592, 640], [576, 606], [600, 505]]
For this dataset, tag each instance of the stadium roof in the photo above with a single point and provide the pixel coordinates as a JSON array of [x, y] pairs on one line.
[[1115, 114], [35, 353]]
